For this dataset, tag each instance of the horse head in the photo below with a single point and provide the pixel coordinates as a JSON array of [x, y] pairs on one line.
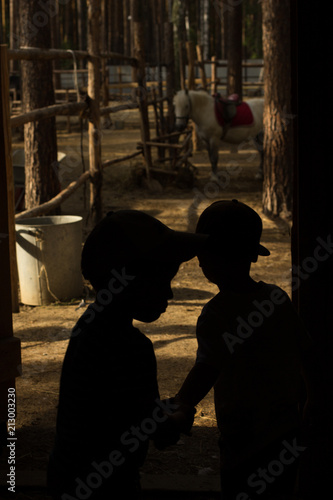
[[182, 105]]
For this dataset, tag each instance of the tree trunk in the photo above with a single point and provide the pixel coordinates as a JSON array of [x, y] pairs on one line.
[[1, 23], [115, 9], [13, 22], [278, 150], [126, 27], [141, 91], [234, 79], [94, 128], [224, 31], [169, 58], [180, 43], [68, 27], [81, 26], [104, 48], [40, 138], [205, 31]]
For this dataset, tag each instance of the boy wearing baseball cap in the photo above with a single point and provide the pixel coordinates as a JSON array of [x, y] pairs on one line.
[[250, 345], [109, 406]]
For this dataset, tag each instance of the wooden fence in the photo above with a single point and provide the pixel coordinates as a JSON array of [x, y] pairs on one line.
[[94, 112], [74, 108], [68, 108]]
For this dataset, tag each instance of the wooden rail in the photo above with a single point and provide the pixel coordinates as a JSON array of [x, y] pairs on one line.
[[47, 112], [30, 54], [46, 207]]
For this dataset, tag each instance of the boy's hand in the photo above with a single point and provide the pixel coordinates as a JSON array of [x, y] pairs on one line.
[[178, 422], [183, 416]]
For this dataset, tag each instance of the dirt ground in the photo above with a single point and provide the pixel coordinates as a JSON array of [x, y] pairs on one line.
[[44, 331]]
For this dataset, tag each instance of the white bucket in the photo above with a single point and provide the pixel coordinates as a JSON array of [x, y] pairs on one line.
[[49, 258]]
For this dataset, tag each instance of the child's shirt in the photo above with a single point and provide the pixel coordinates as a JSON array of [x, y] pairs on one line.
[[108, 393], [254, 340]]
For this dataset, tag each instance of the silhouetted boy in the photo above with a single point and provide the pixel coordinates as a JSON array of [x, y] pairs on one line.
[[109, 406], [250, 348]]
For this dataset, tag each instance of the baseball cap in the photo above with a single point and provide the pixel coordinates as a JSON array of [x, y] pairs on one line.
[[127, 236], [234, 226]]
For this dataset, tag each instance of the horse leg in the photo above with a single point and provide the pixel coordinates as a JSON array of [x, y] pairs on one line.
[[260, 147], [213, 153]]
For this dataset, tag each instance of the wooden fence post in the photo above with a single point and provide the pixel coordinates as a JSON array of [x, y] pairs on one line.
[[191, 85], [191, 59], [182, 66], [169, 59], [214, 75], [170, 71], [201, 67], [94, 129], [142, 93]]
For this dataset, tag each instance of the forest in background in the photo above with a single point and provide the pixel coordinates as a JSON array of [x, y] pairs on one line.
[[162, 33], [203, 22]]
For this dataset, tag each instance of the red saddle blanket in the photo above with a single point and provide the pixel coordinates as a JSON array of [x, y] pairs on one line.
[[243, 116]]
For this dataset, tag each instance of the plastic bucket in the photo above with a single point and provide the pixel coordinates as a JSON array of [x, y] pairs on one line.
[[48, 259]]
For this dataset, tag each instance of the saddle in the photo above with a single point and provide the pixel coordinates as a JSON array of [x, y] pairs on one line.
[[232, 112], [226, 107]]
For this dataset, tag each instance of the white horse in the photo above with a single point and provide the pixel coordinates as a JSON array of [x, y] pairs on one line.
[[199, 106]]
